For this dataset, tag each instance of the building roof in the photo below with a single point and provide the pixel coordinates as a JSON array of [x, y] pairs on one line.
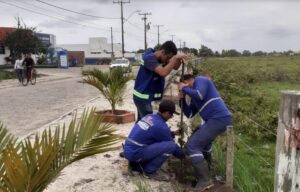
[[5, 31]]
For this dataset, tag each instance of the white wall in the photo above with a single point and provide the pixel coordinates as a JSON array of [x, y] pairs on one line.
[[98, 47], [2, 56]]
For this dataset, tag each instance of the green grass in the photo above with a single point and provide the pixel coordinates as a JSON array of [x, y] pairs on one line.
[[272, 90], [252, 85], [142, 186], [251, 172], [7, 75]]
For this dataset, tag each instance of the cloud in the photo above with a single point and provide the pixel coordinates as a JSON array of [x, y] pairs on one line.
[[280, 31]]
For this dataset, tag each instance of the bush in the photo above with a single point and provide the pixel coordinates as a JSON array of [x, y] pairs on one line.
[[42, 60], [255, 111]]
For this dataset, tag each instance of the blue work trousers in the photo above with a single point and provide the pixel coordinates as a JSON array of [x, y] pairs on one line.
[[151, 157], [201, 141], [143, 108]]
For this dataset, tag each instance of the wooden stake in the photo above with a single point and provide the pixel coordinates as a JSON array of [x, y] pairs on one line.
[[230, 157]]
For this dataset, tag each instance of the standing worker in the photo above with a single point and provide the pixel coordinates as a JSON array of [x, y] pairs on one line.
[[206, 101], [150, 143], [150, 80]]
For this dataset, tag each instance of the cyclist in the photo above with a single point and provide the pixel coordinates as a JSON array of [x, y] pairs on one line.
[[29, 64]]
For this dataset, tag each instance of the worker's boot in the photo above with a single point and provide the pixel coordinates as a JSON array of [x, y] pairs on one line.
[[203, 176], [207, 157]]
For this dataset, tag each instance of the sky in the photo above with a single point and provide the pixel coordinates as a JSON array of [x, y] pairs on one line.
[[266, 25]]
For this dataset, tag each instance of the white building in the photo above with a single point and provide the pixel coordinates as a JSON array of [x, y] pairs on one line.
[[97, 50], [46, 39]]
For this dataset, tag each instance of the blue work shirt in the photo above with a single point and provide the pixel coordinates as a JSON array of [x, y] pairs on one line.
[[149, 130], [149, 86], [205, 100]]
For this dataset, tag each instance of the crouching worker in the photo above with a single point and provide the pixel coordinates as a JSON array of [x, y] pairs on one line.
[[206, 101], [150, 143]]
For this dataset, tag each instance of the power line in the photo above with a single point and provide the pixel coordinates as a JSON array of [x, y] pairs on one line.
[[172, 37], [158, 32], [146, 26], [33, 5], [99, 17], [39, 13], [137, 26], [121, 2]]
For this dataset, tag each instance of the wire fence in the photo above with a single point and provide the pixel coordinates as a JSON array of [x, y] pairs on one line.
[[257, 156], [254, 151]]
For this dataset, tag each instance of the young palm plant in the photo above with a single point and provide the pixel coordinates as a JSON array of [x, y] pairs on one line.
[[31, 164], [112, 84]]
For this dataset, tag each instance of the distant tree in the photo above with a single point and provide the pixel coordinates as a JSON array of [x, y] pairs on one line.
[[259, 53], [217, 54], [185, 50], [140, 51], [274, 53], [194, 51], [157, 47], [224, 52], [246, 53], [233, 53], [288, 53], [23, 40], [205, 52]]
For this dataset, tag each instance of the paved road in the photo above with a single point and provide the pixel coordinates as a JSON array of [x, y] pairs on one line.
[[25, 109]]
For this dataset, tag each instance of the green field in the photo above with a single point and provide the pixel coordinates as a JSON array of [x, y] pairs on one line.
[[7, 75], [251, 88]]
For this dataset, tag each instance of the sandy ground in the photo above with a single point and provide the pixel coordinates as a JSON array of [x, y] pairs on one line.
[[103, 172], [99, 173]]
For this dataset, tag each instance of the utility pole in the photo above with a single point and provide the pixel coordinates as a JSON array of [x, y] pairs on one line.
[[121, 2], [180, 45], [112, 44], [146, 27], [184, 44], [158, 32], [172, 37]]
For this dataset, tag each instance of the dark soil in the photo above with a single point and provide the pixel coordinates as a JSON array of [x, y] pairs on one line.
[[186, 180]]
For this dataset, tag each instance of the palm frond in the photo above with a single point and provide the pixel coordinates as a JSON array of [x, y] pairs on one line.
[[39, 162], [112, 84], [5, 137]]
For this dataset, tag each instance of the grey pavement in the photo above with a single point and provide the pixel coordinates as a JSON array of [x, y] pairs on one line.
[[25, 109]]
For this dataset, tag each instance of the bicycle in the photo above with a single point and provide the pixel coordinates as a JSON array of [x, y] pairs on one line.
[[32, 79]]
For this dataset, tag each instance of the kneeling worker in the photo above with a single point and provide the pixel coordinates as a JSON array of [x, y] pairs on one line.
[[150, 143]]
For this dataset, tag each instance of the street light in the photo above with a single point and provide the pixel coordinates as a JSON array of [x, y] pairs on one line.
[[136, 11]]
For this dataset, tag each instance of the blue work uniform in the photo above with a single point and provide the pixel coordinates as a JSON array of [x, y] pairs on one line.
[[206, 101], [149, 86], [150, 143]]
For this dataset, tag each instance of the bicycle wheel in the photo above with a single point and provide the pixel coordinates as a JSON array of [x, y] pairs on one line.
[[33, 77], [24, 78]]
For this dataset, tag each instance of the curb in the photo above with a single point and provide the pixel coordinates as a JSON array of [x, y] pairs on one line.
[[48, 125], [38, 81]]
